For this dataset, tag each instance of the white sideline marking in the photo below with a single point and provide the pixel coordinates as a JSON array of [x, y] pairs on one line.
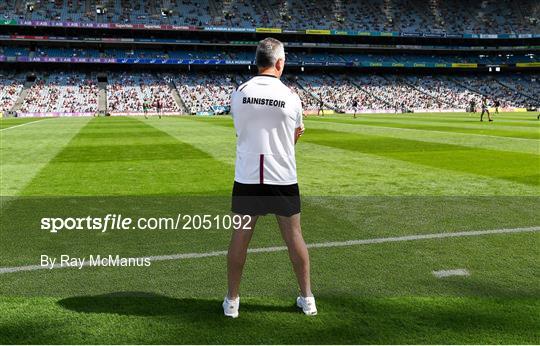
[[459, 133], [452, 272], [28, 123], [5, 270]]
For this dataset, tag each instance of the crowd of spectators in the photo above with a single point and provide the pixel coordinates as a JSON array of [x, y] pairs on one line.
[[398, 94], [209, 93], [201, 92], [63, 93], [494, 90], [455, 16], [460, 91], [340, 94], [403, 93], [127, 92], [10, 88], [309, 102], [527, 85]]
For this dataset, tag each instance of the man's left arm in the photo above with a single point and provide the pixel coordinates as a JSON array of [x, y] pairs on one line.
[[298, 132], [299, 126]]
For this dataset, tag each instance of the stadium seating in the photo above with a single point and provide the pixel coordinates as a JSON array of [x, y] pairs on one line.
[[398, 94], [200, 92], [209, 93], [339, 93], [197, 54], [62, 93], [14, 51], [310, 103], [455, 16], [527, 85], [10, 88], [126, 93], [67, 52], [293, 57], [494, 90], [134, 54]]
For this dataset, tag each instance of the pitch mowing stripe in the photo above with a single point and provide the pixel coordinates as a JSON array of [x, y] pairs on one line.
[[311, 155], [476, 141], [28, 123], [504, 119], [470, 140], [221, 148], [123, 156], [457, 128], [6, 270], [499, 164], [25, 152], [454, 130]]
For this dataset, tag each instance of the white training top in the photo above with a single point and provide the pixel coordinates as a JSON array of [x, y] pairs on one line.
[[265, 113]]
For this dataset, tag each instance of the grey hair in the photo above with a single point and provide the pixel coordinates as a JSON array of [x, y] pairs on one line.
[[269, 51]]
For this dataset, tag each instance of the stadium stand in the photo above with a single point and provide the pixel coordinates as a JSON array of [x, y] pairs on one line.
[[126, 93], [10, 87], [204, 93], [67, 52], [453, 16], [490, 88], [309, 102], [526, 85], [293, 57], [440, 89], [398, 94], [196, 71], [62, 93], [339, 93], [209, 93]]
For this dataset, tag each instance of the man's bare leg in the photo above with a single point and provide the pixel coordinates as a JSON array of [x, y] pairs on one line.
[[298, 252], [236, 256]]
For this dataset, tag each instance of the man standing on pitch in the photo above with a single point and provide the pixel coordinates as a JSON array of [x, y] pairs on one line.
[[485, 109], [268, 121]]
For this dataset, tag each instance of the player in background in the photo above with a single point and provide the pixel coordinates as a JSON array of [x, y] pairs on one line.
[[485, 109], [159, 107], [321, 106], [355, 107], [496, 104], [472, 106], [145, 107]]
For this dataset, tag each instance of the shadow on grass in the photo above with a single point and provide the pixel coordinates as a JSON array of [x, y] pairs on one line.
[[151, 304], [341, 320]]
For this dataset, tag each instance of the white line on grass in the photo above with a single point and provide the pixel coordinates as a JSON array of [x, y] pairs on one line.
[[450, 272], [5, 270], [456, 133], [28, 123]]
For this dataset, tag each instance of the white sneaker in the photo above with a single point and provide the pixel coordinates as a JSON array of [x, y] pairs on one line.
[[307, 304], [230, 307]]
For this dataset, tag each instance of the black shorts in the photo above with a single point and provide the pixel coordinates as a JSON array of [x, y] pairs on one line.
[[262, 199]]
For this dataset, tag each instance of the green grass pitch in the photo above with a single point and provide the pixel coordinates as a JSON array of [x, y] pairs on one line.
[[377, 176]]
